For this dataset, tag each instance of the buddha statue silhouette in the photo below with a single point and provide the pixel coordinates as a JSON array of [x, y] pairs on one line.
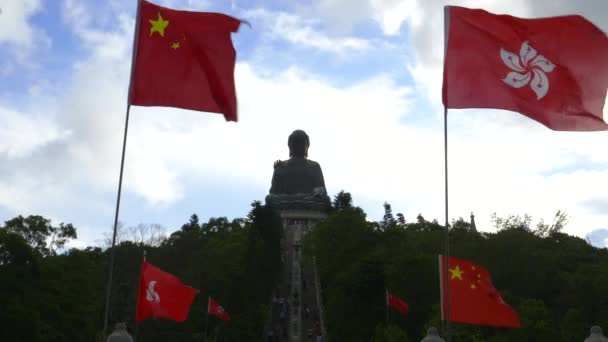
[[297, 183]]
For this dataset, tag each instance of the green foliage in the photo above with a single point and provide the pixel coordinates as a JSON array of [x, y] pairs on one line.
[[390, 333], [460, 224], [40, 234], [59, 297], [556, 282], [512, 222], [342, 200], [559, 222], [388, 220]]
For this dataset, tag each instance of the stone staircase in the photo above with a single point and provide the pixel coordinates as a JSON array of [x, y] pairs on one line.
[[301, 320]]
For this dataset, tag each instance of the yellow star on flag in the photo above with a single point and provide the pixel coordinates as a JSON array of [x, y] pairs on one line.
[[158, 25], [473, 286], [456, 273], [175, 46]]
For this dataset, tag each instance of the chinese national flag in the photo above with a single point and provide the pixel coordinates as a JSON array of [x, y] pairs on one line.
[[184, 59], [216, 310], [397, 303], [161, 294], [473, 298], [553, 70]]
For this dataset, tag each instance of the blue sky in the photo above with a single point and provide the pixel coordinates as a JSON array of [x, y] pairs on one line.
[[362, 77]]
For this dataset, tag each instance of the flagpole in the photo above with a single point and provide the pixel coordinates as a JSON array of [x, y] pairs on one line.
[[386, 291], [207, 319], [447, 231], [136, 321], [446, 27], [111, 268], [122, 165]]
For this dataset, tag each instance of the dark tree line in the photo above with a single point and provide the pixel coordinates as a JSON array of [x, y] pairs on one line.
[[557, 283], [50, 296]]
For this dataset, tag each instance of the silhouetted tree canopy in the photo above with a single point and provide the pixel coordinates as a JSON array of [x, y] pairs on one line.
[[556, 282]]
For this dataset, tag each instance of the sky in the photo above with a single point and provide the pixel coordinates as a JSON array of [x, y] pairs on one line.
[[361, 77]]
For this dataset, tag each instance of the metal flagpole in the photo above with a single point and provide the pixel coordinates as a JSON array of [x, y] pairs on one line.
[[385, 290], [122, 165], [207, 319], [111, 268], [446, 27], [136, 321], [447, 231]]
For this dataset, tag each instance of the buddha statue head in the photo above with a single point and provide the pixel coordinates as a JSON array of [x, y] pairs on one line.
[[298, 143]]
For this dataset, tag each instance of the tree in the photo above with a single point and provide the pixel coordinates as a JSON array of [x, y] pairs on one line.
[[38, 232], [559, 222], [573, 325], [342, 200], [193, 224], [461, 224], [556, 282], [536, 323], [388, 221], [401, 218], [511, 222], [15, 251], [390, 333], [147, 234]]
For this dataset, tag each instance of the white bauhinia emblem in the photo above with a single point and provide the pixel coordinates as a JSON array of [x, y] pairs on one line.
[[530, 68], [151, 295]]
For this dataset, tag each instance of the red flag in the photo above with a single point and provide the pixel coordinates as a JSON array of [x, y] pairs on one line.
[[473, 298], [161, 294], [184, 59], [216, 310], [397, 303], [552, 70]]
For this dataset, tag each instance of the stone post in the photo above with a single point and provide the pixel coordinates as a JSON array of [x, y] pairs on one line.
[[120, 334], [596, 335], [432, 336]]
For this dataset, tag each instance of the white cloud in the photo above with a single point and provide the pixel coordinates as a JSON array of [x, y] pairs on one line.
[[424, 20], [19, 36], [14, 25], [21, 134], [367, 136], [305, 32], [499, 161]]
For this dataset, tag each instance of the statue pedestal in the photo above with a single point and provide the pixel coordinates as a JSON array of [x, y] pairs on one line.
[[298, 214], [302, 203], [297, 223]]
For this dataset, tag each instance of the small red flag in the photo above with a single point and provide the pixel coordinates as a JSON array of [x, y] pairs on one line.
[[216, 310], [184, 59], [161, 294], [552, 70], [397, 303], [473, 298]]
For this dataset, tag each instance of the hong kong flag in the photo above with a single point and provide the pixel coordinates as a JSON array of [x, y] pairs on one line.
[[161, 294], [216, 310], [553, 70]]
